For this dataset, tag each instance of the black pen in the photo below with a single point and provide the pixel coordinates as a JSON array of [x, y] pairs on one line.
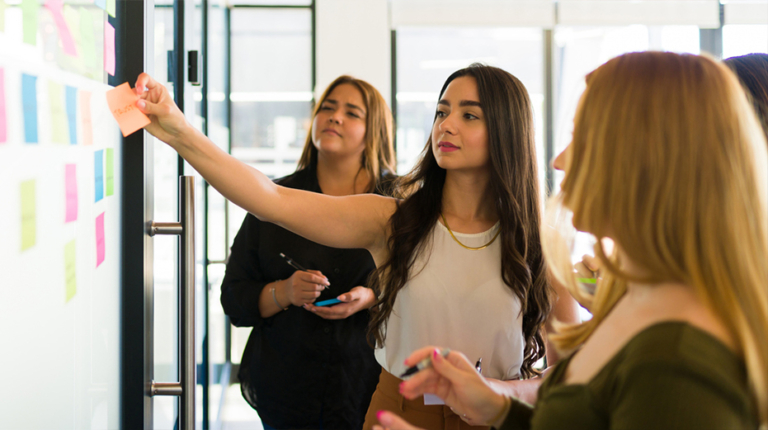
[[423, 364], [479, 365], [296, 265]]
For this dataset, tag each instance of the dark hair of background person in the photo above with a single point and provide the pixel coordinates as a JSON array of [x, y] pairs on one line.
[[752, 70], [514, 184], [379, 153]]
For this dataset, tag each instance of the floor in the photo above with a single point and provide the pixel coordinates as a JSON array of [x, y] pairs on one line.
[[237, 414]]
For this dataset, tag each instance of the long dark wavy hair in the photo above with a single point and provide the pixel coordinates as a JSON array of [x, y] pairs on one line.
[[514, 185]]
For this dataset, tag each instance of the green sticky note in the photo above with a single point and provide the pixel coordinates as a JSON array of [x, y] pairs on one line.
[[111, 8], [110, 172], [59, 126], [2, 15], [87, 45], [28, 215], [30, 9], [70, 270]]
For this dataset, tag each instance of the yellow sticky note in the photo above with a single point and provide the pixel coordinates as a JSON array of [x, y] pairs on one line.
[[28, 214], [111, 8], [59, 126], [29, 12], [122, 102], [2, 15], [70, 272]]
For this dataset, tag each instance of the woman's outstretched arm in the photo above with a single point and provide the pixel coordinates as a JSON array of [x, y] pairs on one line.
[[358, 221]]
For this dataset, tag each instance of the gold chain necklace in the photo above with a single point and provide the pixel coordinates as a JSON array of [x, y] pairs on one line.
[[465, 246]]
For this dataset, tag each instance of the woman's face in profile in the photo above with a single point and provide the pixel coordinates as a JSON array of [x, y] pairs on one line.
[[459, 134], [339, 127]]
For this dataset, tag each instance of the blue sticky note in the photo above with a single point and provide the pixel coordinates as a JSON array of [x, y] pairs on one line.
[[72, 114], [98, 163], [101, 3], [29, 101]]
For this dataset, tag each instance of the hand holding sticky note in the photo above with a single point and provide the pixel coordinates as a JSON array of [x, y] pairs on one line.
[[122, 103]]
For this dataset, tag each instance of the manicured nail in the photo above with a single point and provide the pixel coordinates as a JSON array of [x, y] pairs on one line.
[[379, 414], [141, 104], [435, 353], [400, 387]]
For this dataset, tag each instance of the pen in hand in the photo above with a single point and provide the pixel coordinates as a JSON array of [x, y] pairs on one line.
[[479, 365], [423, 364], [296, 265]]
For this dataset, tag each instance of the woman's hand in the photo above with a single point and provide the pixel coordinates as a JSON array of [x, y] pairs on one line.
[[304, 287], [390, 421], [455, 380], [354, 301], [168, 122]]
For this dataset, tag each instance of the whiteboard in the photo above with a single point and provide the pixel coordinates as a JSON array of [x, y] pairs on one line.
[[59, 271]]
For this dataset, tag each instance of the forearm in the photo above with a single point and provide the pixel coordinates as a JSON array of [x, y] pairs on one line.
[[525, 390], [267, 305]]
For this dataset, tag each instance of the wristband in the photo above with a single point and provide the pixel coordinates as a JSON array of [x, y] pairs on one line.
[[276, 302]]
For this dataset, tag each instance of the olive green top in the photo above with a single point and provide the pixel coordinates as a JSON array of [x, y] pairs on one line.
[[671, 375]]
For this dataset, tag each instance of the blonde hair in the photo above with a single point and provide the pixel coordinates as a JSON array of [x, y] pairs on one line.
[[669, 160], [379, 154]]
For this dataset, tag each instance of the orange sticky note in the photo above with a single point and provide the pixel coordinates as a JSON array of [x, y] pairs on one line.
[[122, 102]]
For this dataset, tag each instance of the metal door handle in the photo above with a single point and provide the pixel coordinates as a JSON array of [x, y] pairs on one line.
[[185, 229]]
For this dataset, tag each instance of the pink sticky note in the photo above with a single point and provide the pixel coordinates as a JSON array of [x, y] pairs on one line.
[[56, 6], [100, 248], [122, 102], [70, 187], [3, 132], [85, 113], [109, 48]]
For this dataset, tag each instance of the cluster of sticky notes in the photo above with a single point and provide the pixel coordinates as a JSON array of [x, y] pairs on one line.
[[62, 100], [122, 103]]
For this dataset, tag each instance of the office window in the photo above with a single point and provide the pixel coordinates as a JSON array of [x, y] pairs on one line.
[[271, 86], [427, 56], [744, 39]]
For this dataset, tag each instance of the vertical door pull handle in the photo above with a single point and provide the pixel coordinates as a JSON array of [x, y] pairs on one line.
[[185, 228], [193, 68]]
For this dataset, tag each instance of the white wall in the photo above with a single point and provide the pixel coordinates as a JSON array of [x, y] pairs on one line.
[[353, 37]]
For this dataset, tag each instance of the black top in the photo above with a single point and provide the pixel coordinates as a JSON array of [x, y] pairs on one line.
[[298, 368]]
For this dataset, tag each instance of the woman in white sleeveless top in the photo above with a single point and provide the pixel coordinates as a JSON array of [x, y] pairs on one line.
[[458, 258]]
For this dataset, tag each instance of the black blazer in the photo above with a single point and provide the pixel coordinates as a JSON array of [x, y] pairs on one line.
[[298, 368]]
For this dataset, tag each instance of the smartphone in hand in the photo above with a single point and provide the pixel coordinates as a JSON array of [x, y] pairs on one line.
[[328, 302]]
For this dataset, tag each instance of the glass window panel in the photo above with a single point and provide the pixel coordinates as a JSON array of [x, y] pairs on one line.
[[272, 2], [744, 39], [271, 92]]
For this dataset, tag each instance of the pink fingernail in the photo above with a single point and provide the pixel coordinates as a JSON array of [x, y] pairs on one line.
[[400, 387], [435, 353], [379, 414]]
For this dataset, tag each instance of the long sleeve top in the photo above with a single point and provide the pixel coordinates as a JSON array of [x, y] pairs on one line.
[[669, 376], [299, 369]]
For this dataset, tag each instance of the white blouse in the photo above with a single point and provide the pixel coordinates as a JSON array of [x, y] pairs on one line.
[[456, 298]]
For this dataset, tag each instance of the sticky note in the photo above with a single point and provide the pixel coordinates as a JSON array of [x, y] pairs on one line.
[[70, 191], [29, 101], [28, 214], [122, 103], [59, 128], [67, 42], [101, 3], [88, 44], [111, 8], [98, 166], [30, 9], [2, 15], [109, 48], [3, 129], [110, 172], [85, 114], [72, 113], [100, 248], [70, 271]]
